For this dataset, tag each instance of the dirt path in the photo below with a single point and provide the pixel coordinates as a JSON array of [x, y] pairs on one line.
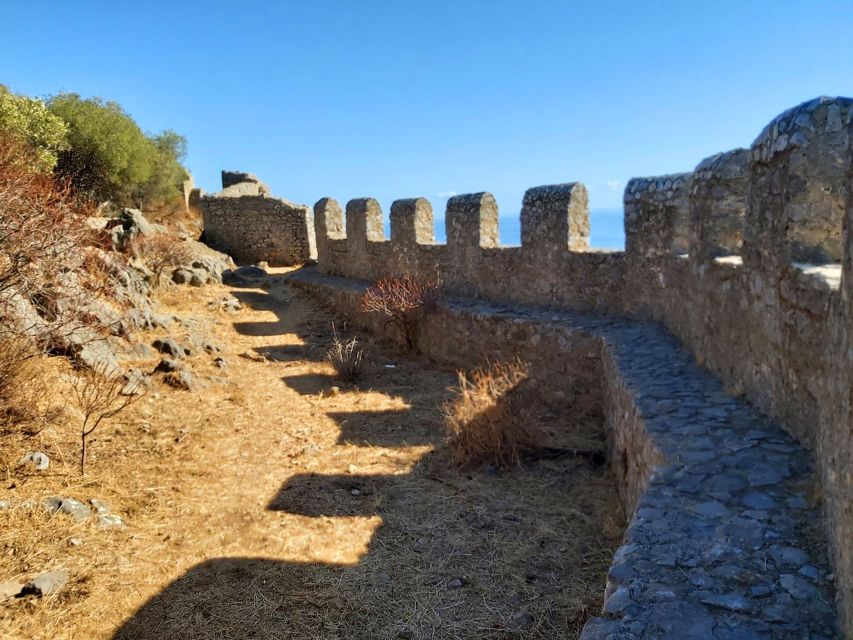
[[280, 503]]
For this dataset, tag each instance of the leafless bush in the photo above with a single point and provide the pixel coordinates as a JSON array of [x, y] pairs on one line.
[[97, 393], [45, 260], [22, 384], [162, 251], [486, 420], [346, 357], [401, 300]]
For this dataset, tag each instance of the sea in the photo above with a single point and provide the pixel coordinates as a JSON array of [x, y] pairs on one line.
[[606, 229]]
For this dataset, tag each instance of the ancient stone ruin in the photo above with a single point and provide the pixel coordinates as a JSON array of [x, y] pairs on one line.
[[718, 347], [245, 221]]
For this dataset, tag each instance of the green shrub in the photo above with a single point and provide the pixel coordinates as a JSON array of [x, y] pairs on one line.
[[110, 158], [29, 119]]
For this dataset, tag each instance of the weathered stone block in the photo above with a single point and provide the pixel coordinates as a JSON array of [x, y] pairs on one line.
[[412, 222], [799, 181], [657, 215], [717, 203], [555, 218], [472, 221], [363, 223], [232, 178]]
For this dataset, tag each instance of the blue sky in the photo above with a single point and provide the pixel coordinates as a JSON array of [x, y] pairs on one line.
[[398, 99]]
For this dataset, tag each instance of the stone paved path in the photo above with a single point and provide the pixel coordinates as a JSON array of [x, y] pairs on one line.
[[724, 542]]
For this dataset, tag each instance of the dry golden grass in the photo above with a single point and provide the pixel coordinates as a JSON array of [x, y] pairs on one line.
[[486, 419], [270, 506]]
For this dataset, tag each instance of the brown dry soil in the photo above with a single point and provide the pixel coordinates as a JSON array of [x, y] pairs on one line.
[[278, 502]]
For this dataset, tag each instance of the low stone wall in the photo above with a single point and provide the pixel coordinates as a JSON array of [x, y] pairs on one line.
[[244, 221], [718, 546]]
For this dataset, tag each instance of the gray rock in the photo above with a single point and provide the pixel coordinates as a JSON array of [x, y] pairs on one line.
[[797, 587], [100, 506], [523, 620], [248, 275], [170, 347], [47, 583], [183, 380], [109, 521], [790, 556], [758, 501], [74, 508], [728, 601], [75, 542], [618, 601], [168, 366], [36, 459], [711, 509], [136, 382], [190, 276], [455, 583]]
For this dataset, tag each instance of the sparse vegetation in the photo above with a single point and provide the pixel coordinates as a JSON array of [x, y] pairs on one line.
[[486, 420], [97, 394], [162, 251], [401, 300], [346, 357]]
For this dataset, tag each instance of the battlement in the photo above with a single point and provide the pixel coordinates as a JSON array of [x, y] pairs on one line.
[[725, 256], [747, 259]]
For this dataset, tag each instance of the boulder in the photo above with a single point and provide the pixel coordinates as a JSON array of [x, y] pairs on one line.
[[245, 276]]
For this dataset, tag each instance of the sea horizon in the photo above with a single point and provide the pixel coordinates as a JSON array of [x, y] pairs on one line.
[[606, 229]]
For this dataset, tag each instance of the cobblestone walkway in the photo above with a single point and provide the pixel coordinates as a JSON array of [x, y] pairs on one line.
[[724, 542]]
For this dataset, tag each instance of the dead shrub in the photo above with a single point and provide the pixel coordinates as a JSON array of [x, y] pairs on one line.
[[44, 251], [23, 385], [401, 300], [162, 251], [346, 357], [97, 394], [486, 421]]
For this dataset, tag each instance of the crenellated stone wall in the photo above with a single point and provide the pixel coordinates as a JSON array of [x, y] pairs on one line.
[[244, 221], [748, 260]]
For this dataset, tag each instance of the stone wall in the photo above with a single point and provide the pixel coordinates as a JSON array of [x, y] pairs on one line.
[[716, 255], [244, 221], [718, 546]]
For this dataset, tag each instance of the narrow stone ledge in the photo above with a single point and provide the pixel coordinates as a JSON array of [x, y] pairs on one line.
[[722, 540]]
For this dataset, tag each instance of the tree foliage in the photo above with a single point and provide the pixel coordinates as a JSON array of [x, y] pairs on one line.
[[29, 120], [111, 158]]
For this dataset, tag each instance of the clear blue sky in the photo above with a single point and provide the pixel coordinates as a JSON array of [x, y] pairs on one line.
[[398, 99]]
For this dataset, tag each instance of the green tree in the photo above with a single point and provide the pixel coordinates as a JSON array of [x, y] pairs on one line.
[[111, 158], [30, 120]]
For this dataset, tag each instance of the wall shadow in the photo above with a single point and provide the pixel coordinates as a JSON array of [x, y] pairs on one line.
[[491, 545]]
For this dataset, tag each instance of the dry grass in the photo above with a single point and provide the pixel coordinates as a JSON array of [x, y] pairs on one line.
[[346, 357], [162, 251], [486, 420], [241, 519]]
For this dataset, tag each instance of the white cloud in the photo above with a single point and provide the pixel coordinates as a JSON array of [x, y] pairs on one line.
[[613, 185], [446, 194]]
